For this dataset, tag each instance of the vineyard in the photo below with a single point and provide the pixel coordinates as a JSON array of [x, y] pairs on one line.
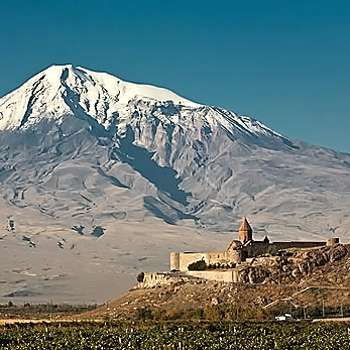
[[194, 336]]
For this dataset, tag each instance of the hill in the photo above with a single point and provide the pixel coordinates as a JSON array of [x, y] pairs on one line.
[[321, 284]]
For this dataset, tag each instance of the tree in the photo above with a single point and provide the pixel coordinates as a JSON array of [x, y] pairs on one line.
[[199, 265]]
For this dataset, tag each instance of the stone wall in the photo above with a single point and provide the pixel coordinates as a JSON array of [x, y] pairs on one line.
[[174, 261], [255, 248], [216, 257], [186, 259], [297, 244], [216, 275], [180, 261], [152, 279]]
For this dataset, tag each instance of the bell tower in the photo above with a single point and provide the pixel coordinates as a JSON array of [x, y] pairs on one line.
[[245, 231]]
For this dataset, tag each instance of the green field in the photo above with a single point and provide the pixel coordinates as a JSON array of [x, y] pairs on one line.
[[245, 336]]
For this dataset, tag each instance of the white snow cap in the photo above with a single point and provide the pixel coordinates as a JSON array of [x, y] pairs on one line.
[[61, 91], [100, 95]]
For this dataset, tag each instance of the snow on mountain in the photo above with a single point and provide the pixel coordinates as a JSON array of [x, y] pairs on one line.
[[70, 133], [180, 159], [61, 90]]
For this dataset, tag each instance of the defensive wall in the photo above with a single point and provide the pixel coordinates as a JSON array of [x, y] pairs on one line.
[[231, 275], [180, 261], [297, 244], [153, 279]]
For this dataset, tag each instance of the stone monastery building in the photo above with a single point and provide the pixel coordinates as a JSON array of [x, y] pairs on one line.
[[238, 250]]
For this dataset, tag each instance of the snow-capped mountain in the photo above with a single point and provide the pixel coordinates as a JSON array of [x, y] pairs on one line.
[[85, 155], [83, 147], [61, 90]]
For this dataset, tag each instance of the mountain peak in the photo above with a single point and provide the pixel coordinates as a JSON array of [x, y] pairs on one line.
[[65, 91], [52, 73], [59, 67], [97, 93]]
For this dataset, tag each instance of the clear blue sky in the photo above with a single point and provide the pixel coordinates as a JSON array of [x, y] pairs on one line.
[[286, 63]]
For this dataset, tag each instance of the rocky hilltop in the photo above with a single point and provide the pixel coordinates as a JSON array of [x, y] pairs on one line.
[[311, 278]]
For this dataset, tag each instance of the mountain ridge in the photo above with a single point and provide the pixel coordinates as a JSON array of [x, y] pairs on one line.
[[150, 128], [62, 78]]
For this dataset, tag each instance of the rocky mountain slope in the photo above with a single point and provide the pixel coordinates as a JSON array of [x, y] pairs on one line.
[[86, 156], [82, 147]]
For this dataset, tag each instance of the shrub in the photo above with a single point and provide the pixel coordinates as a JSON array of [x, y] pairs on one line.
[[272, 250], [213, 313], [144, 313], [140, 277], [199, 265]]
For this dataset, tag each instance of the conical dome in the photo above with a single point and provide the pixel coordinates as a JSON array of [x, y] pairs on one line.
[[245, 225], [245, 231]]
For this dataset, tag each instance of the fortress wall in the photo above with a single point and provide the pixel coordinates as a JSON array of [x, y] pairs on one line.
[[174, 261], [184, 259], [256, 248], [297, 244], [152, 279], [180, 261], [217, 257], [220, 276]]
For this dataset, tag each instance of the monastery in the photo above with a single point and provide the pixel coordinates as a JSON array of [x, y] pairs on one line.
[[239, 250], [227, 265], [236, 253]]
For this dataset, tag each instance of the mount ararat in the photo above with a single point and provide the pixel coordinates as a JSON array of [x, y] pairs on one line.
[[104, 177]]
